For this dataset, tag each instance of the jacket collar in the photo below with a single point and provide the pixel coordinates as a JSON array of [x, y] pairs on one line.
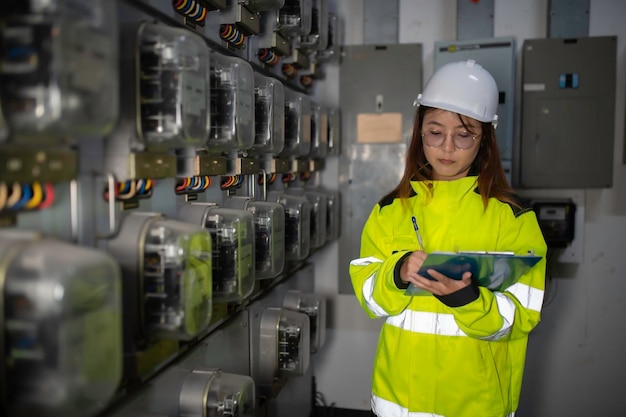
[[455, 188]]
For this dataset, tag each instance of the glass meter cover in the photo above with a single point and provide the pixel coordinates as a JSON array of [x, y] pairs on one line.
[[295, 18], [232, 231], [297, 224], [269, 107], [319, 131], [317, 39], [172, 86], [297, 124], [313, 306], [177, 279], [62, 327], [231, 104], [334, 131], [269, 231], [333, 215], [284, 345], [331, 52], [213, 393], [59, 68], [319, 209], [172, 261]]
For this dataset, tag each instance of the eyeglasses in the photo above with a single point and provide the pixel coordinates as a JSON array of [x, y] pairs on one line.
[[461, 140]]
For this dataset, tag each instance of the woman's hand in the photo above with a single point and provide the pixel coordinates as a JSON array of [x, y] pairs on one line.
[[442, 285]]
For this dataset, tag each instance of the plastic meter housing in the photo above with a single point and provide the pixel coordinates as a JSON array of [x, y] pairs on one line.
[[232, 231], [297, 124], [61, 328], [231, 104], [167, 268], [172, 86], [269, 108], [314, 306], [269, 232], [297, 224], [59, 68]]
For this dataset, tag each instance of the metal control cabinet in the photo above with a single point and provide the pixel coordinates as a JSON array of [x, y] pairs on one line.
[[378, 85], [496, 55], [568, 113]]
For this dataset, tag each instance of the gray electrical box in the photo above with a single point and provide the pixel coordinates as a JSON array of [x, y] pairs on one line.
[[377, 87], [496, 55], [568, 113]]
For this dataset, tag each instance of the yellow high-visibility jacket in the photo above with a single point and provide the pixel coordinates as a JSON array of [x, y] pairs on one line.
[[448, 356]]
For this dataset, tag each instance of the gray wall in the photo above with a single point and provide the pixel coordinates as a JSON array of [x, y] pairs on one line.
[[577, 354]]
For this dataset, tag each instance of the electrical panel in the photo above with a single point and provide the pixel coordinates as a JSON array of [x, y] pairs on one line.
[[144, 162], [568, 113]]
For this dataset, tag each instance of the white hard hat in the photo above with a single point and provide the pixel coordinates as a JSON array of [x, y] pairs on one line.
[[463, 87]]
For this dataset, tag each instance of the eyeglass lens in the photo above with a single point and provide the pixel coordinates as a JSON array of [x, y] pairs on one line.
[[461, 140]]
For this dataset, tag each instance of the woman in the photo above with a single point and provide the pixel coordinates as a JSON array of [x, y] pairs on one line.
[[460, 349]]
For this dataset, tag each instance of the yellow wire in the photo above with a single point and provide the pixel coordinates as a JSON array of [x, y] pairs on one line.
[[37, 196]]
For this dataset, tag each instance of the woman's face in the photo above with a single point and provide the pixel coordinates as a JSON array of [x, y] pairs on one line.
[[447, 160]]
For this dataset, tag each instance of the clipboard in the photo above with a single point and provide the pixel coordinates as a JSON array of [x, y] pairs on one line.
[[494, 270]]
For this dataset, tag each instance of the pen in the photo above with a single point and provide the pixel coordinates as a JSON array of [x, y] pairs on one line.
[[417, 233]]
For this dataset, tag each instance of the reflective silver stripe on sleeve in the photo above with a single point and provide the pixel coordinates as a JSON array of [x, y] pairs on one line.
[[365, 261], [368, 286], [507, 308], [386, 408], [531, 298], [368, 289], [426, 322]]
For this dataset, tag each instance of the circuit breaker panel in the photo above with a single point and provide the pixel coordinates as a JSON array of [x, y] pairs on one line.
[[568, 112]]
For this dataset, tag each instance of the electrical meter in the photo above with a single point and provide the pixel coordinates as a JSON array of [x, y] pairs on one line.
[[58, 68], [313, 306], [317, 39], [334, 132], [232, 104], [319, 131], [61, 327], [297, 224], [297, 124], [167, 275], [269, 232], [212, 393], [284, 345], [333, 214], [295, 18], [269, 115], [319, 209], [233, 248], [331, 52], [172, 87]]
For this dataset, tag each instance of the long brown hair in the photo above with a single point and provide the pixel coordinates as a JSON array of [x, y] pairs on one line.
[[492, 180]]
